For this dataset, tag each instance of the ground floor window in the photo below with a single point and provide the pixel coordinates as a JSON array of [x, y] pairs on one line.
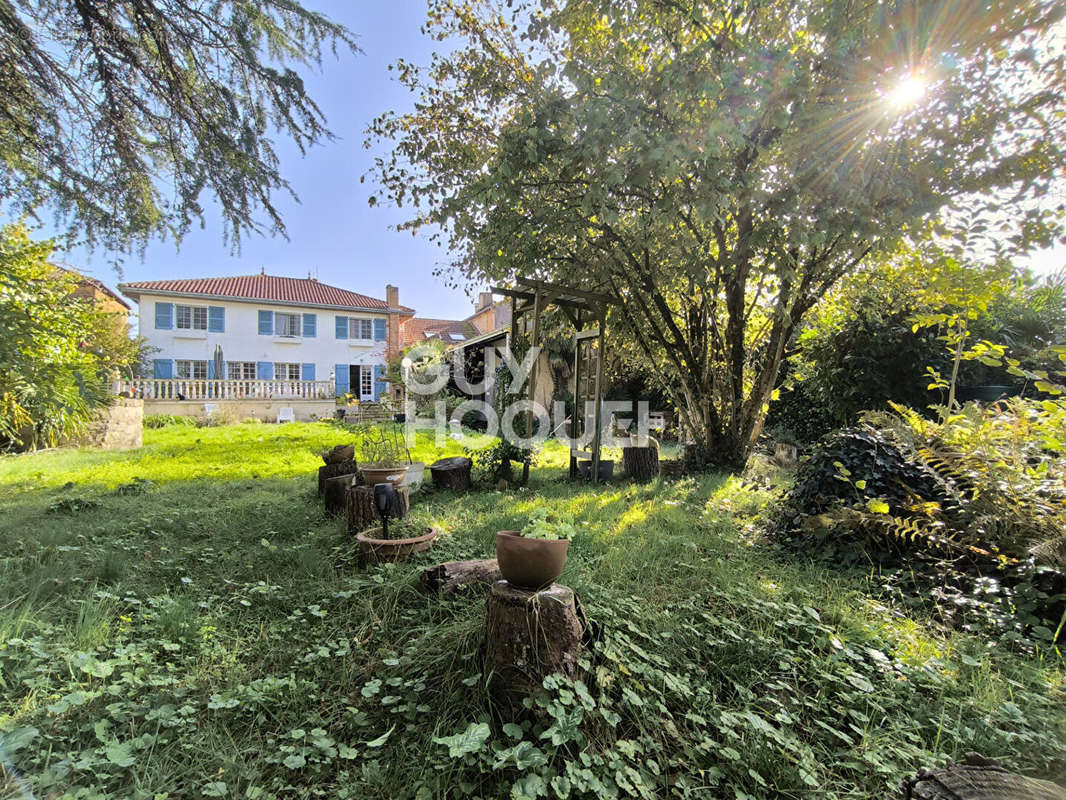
[[240, 370], [286, 372], [191, 370]]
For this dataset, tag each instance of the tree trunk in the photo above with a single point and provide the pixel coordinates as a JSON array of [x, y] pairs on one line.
[[444, 579], [977, 778], [363, 513], [333, 471], [451, 473], [641, 463], [336, 494], [529, 635]]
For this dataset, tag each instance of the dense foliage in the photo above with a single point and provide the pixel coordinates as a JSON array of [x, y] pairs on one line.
[[118, 116], [981, 493], [208, 633], [717, 166], [57, 352]]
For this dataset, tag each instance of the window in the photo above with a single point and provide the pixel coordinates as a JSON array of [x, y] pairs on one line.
[[286, 372], [360, 328], [366, 381], [286, 324], [191, 318], [191, 370], [240, 370]]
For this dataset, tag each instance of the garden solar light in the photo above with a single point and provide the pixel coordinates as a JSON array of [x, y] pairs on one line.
[[385, 501]]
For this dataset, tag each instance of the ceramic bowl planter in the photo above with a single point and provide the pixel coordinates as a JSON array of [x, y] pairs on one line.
[[415, 473], [372, 476], [374, 548], [530, 563]]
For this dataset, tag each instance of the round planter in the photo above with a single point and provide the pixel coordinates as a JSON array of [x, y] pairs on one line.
[[988, 393], [606, 470], [376, 549], [530, 563], [375, 475]]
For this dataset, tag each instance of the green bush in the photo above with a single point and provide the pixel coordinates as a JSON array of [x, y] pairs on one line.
[[165, 420]]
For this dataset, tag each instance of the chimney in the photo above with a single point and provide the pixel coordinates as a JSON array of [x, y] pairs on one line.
[[484, 300], [392, 295]]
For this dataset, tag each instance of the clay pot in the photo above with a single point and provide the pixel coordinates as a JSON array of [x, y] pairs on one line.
[[372, 476], [530, 563], [374, 548]]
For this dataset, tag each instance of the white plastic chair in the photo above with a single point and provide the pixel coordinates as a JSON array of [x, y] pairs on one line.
[[286, 414], [210, 408]]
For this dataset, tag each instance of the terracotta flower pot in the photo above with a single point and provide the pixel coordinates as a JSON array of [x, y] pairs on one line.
[[374, 548], [530, 563], [375, 475]]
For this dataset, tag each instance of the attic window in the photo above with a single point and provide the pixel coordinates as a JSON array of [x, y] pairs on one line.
[[458, 337]]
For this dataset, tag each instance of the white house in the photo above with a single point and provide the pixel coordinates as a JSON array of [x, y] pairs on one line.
[[265, 335]]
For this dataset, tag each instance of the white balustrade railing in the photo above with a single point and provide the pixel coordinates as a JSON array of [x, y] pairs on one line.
[[208, 390]]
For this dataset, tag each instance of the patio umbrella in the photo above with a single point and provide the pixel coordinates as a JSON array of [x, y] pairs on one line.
[[220, 365]]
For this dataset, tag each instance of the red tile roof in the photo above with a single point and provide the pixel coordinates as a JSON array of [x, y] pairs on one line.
[[418, 329], [297, 291]]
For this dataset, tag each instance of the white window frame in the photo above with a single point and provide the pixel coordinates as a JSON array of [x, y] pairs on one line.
[[358, 325], [292, 371], [366, 382], [245, 370], [296, 327], [191, 367], [194, 313]]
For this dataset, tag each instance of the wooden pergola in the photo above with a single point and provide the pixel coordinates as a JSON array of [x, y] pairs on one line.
[[587, 312]]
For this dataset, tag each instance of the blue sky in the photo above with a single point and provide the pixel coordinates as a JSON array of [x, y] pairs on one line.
[[333, 233]]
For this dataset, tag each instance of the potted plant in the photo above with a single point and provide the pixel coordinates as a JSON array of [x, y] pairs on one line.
[[383, 456], [395, 540], [533, 557]]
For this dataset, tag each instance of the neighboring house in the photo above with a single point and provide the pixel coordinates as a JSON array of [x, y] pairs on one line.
[[270, 328], [489, 315], [102, 297]]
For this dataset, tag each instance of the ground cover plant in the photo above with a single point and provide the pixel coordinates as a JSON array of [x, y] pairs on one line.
[[184, 621]]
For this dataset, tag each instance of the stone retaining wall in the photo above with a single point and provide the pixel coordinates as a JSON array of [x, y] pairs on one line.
[[117, 427], [238, 410]]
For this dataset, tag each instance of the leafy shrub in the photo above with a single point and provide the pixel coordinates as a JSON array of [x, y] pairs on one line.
[[499, 459], [983, 492]]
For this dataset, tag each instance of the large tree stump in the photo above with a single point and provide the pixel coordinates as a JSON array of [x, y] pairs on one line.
[[641, 463], [529, 635], [445, 578], [339, 454], [336, 493], [451, 473], [334, 470], [363, 513], [977, 778]]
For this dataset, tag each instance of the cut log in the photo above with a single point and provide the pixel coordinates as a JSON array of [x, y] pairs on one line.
[[641, 463], [977, 778], [339, 454], [336, 493], [445, 578], [451, 473], [529, 635], [363, 514], [333, 471]]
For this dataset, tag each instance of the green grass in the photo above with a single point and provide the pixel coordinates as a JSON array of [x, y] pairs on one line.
[[210, 634]]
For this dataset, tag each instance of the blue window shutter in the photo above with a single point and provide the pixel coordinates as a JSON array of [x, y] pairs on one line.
[[162, 368], [342, 327], [310, 326], [164, 316], [340, 376], [216, 319], [379, 381], [210, 369], [307, 372], [266, 323], [264, 370], [379, 330]]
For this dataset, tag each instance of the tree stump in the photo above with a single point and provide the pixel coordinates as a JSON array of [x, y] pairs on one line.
[[333, 471], [529, 635], [363, 513], [336, 493], [641, 463], [339, 454], [451, 473], [445, 578], [977, 778]]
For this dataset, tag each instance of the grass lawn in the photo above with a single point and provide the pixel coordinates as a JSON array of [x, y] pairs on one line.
[[183, 621]]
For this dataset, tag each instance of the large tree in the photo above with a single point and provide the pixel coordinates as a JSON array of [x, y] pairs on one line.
[[719, 165], [117, 116]]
